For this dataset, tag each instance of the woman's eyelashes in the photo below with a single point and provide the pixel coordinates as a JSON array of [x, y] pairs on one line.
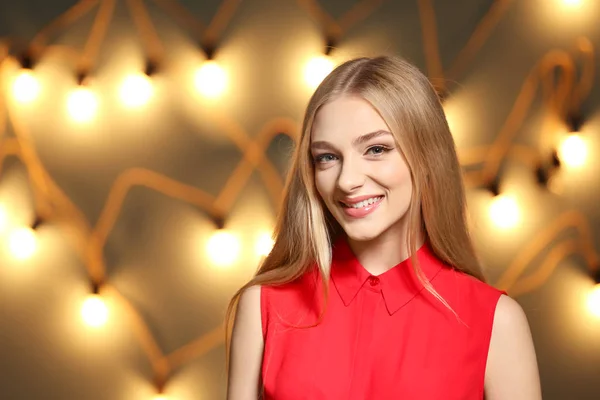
[[378, 150], [375, 151], [324, 158]]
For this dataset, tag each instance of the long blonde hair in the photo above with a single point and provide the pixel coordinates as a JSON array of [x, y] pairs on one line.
[[410, 106]]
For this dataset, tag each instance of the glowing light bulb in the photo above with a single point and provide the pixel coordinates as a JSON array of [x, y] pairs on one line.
[[504, 211], [223, 248], [593, 301], [22, 243], [572, 3], [210, 79], [82, 104], [160, 397], [136, 90], [316, 70], [573, 151], [94, 311], [451, 118], [264, 244], [26, 86]]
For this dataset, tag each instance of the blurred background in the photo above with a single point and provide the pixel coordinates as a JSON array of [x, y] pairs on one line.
[[144, 145]]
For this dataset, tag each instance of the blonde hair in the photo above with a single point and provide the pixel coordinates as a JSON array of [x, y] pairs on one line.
[[410, 106]]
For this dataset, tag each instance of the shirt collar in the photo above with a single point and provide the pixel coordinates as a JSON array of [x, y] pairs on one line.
[[398, 285]]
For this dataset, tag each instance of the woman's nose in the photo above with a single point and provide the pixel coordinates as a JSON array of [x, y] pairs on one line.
[[351, 176]]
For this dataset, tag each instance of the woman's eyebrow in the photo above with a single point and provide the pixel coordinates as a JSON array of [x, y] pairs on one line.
[[368, 136], [324, 145]]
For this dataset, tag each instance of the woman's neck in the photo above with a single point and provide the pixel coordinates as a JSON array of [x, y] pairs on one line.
[[385, 251]]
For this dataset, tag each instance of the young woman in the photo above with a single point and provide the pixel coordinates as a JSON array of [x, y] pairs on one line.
[[373, 289]]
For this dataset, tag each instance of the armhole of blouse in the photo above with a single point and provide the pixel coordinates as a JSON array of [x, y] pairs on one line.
[[264, 311], [487, 339]]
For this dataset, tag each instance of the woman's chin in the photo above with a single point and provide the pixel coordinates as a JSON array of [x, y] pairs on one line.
[[362, 234]]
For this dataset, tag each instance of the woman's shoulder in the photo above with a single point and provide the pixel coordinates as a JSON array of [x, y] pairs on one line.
[[468, 284], [288, 301], [289, 293], [468, 292]]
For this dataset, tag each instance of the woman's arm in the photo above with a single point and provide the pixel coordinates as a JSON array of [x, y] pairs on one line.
[[511, 371], [246, 348]]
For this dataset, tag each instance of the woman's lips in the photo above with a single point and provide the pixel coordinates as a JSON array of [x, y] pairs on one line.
[[361, 212]]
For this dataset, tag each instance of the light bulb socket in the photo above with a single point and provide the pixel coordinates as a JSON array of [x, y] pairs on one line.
[[160, 382], [575, 121], [152, 67], [209, 50], [542, 175], [26, 60], [493, 186], [555, 159], [37, 222], [219, 221], [82, 76], [596, 274], [96, 287], [330, 45]]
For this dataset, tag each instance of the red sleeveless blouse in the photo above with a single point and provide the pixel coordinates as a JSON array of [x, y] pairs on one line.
[[382, 337]]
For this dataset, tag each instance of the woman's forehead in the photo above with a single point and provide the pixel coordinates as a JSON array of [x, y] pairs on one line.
[[345, 119]]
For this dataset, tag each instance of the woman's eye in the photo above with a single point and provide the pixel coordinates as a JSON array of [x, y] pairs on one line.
[[323, 158], [377, 150]]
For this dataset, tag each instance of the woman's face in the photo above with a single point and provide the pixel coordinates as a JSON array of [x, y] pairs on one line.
[[360, 172]]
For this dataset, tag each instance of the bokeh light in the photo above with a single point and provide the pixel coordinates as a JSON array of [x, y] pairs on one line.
[[594, 301], [316, 70], [26, 86], [136, 90], [82, 104], [573, 151], [94, 311], [452, 120], [211, 79], [223, 248], [504, 211], [22, 243], [264, 244]]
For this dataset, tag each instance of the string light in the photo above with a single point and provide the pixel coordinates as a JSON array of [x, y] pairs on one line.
[[94, 311], [504, 211], [573, 151], [594, 297], [317, 68], [493, 186], [210, 79], [572, 3], [223, 248], [451, 119], [26, 87], [82, 104], [264, 244], [136, 90], [22, 243]]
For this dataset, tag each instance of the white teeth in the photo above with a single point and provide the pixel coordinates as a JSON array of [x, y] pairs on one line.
[[365, 203]]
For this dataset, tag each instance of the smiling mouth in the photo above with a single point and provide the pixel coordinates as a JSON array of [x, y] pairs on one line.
[[362, 204]]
